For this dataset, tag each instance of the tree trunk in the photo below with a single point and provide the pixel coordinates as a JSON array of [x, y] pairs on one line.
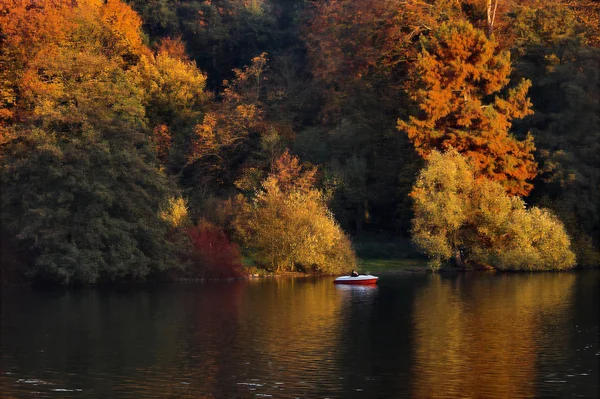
[[459, 259], [492, 5]]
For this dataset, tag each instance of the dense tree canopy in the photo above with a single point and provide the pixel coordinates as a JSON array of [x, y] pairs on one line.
[[81, 188], [567, 130], [475, 221], [137, 136], [85, 210]]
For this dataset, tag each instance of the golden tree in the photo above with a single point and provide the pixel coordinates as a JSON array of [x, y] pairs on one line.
[[456, 212], [459, 84], [287, 226]]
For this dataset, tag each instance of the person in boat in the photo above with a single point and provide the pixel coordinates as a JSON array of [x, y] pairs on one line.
[[354, 274]]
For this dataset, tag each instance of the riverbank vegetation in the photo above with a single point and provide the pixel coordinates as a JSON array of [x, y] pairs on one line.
[[170, 138], [476, 223]]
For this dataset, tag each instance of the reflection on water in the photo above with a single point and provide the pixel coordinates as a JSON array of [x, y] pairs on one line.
[[467, 335], [480, 337], [291, 326], [353, 290]]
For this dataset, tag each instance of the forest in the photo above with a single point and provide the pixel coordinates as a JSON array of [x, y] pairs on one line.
[[160, 139]]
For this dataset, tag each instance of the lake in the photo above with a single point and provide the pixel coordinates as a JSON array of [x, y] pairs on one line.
[[480, 335]]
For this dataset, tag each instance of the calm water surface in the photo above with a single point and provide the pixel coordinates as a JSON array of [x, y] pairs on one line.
[[466, 335]]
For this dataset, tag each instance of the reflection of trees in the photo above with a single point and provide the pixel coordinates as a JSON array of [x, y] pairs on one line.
[[290, 330], [478, 337], [208, 341]]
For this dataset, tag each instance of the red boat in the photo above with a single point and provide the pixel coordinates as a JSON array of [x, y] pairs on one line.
[[364, 279]]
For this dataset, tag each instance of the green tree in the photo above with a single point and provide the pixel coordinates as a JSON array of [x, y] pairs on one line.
[[552, 51], [456, 212], [81, 186], [84, 210]]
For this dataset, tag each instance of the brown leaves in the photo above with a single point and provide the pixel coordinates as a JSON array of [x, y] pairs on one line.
[[161, 138]]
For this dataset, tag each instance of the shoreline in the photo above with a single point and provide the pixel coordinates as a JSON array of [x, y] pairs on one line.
[[413, 269]]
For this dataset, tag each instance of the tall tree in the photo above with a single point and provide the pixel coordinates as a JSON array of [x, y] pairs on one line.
[[452, 82], [81, 187]]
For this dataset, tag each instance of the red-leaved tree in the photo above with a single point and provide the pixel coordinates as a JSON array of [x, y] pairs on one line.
[[215, 256]]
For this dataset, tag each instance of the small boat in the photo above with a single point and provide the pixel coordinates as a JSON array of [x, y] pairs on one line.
[[361, 279]]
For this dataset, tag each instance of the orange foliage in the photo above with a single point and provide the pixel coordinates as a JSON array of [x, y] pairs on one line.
[[456, 72], [216, 256], [26, 27], [162, 142], [38, 31], [125, 24], [289, 175], [173, 47]]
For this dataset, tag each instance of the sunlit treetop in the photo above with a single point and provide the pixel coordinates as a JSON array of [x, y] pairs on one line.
[[459, 85], [39, 33]]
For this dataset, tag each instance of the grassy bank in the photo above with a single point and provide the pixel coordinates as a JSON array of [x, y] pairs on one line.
[[383, 252], [374, 266]]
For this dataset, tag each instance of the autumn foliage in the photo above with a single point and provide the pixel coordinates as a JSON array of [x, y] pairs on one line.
[[81, 189], [474, 222], [214, 256], [34, 32], [287, 227], [457, 84], [348, 40], [119, 129]]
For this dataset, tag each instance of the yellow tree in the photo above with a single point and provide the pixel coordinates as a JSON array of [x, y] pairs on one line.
[[174, 97], [459, 84], [456, 212], [288, 227]]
